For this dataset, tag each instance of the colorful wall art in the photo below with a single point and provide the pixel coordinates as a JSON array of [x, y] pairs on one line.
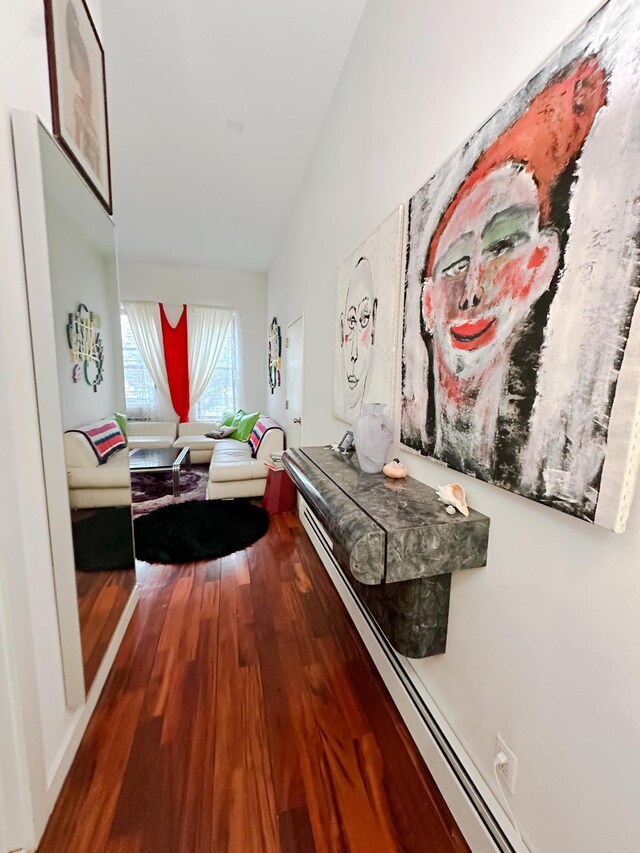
[[366, 321], [274, 362], [521, 345], [85, 346]]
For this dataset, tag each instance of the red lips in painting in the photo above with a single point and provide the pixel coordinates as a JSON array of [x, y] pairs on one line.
[[469, 336]]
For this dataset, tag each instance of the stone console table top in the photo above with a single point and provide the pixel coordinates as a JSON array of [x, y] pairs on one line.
[[359, 543], [422, 540]]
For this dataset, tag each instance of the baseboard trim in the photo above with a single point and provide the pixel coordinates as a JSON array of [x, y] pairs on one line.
[[62, 762], [480, 817]]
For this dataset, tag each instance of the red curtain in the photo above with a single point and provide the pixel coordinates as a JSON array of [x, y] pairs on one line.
[[176, 355]]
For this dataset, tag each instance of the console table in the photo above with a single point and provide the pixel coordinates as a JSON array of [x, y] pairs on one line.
[[394, 543]]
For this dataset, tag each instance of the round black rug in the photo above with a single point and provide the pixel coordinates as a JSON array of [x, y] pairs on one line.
[[198, 530]]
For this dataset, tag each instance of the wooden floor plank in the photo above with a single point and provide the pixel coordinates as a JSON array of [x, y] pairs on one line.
[[244, 810], [102, 597], [281, 694], [244, 715], [197, 827]]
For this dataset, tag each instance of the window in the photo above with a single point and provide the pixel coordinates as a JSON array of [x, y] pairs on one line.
[[141, 395], [220, 394]]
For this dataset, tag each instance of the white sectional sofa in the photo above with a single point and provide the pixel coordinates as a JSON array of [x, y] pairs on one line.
[[234, 470], [91, 484], [235, 473]]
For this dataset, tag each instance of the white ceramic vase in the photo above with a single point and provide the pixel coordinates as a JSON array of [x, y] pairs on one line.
[[373, 432]]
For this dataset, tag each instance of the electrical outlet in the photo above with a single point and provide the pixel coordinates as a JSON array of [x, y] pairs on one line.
[[507, 770]]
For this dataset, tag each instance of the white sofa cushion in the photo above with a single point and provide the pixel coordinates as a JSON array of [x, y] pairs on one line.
[[114, 474], [151, 434], [226, 472], [195, 442], [94, 498], [192, 435], [147, 428], [151, 442], [232, 461], [228, 450], [236, 489], [195, 428]]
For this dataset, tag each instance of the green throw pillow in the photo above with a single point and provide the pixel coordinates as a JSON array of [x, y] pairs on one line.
[[245, 425], [121, 420], [238, 417], [227, 419]]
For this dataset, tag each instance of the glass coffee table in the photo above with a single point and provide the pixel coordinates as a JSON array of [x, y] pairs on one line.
[[161, 459]]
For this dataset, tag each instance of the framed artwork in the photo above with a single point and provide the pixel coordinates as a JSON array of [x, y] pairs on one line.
[[345, 445], [368, 285], [274, 354], [78, 92], [521, 342]]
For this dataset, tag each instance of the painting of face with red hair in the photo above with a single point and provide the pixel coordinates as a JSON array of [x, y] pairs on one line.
[[522, 279], [496, 251]]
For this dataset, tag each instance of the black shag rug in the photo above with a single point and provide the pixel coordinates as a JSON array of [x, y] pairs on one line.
[[198, 530]]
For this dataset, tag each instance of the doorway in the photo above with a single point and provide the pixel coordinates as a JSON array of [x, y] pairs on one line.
[[293, 360]]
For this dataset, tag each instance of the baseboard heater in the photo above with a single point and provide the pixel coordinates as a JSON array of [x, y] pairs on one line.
[[484, 814]]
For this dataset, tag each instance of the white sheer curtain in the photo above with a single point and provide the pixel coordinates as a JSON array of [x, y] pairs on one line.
[[147, 330], [208, 329]]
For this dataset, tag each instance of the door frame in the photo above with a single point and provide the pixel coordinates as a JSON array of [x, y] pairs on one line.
[[300, 316]]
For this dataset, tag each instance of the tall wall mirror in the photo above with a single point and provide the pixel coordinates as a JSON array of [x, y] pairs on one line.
[[72, 288]]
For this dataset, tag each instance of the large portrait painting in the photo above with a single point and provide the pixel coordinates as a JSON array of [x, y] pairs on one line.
[[521, 346], [78, 92], [366, 321]]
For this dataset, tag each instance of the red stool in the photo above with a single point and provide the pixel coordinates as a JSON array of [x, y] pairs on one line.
[[280, 493]]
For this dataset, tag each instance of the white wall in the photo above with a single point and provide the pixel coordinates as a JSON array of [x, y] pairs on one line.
[[544, 643], [247, 292], [80, 273], [31, 677]]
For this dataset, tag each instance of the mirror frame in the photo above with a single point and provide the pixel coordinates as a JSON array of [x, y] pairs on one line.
[[29, 159]]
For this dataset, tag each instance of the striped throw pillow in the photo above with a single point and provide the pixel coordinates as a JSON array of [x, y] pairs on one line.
[[262, 427], [104, 436]]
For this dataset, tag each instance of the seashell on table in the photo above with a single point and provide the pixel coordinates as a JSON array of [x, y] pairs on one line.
[[452, 495]]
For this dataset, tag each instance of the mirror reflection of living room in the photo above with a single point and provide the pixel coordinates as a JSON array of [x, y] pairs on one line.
[[188, 436]]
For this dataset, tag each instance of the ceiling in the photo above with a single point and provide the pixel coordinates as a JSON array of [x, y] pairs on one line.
[[214, 112]]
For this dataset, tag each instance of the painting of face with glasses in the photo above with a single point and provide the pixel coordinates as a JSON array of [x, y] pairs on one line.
[[366, 315]]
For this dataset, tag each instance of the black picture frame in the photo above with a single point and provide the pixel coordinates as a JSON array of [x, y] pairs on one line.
[[346, 444], [72, 40]]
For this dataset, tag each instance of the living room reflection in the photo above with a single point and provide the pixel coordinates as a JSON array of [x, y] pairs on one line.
[[83, 406]]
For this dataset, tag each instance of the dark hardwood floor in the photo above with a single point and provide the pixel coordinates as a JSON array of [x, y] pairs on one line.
[[243, 714], [105, 577], [102, 597]]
